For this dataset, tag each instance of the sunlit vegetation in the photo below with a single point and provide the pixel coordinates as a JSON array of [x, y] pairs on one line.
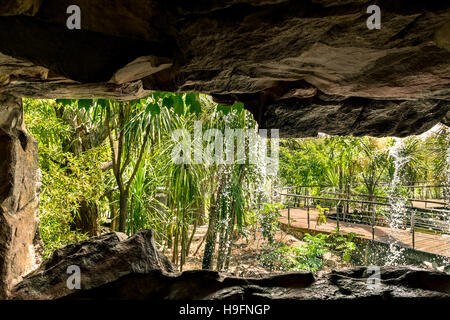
[[310, 255], [363, 163], [106, 166]]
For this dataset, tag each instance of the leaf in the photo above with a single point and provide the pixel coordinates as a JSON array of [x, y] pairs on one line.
[[154, 108], [167, 102], [102, 103], [238, 107], [178, 104], [65, 102], [85, 103], [193, 103], [225, 109]]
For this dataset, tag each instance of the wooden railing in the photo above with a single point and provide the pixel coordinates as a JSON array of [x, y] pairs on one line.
[[369, 212]]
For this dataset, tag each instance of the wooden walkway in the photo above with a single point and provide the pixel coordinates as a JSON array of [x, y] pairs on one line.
[[437, 203], [432, 243]]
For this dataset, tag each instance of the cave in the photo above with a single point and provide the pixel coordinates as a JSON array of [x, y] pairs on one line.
[[302, 67]]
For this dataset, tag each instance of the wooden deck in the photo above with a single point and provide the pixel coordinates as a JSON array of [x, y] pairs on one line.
[[432, 243], [438, 203]]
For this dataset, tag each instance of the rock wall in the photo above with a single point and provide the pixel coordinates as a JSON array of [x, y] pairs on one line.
[[300, 66], [101, 260], [20, 243], [303, 67], [115, 267]]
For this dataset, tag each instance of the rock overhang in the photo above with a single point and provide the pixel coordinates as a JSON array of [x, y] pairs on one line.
[[298, 66]]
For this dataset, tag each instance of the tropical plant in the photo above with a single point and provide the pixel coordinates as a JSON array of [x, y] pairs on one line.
[[308, 256], [322, 219], [269, 220]]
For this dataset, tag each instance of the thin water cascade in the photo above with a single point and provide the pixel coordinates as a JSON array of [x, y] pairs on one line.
[[253, 175], [261, 192], [398, 203], [447, 200]]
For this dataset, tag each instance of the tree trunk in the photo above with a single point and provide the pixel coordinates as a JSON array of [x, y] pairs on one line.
[[211, 236], [123, 202], [194, 229], [222, 240], [347, 204], [112, 209], [184, 248], [175, 246], [86, 221], [229, 242]]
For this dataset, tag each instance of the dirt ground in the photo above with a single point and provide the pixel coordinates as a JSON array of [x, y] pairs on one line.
[[245, 251]]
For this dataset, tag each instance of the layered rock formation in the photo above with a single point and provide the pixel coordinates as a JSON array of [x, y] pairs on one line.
[[101, 260], [115, 267], [397, 283], [299, 66], [20, 242]]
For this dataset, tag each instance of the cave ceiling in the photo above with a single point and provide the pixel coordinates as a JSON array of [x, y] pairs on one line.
[[299, 66]]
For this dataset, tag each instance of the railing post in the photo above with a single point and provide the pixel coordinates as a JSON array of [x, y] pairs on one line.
[[337, 216], [289, 212], [305, 199], [347, 206], [307, 208], [373, 222], [412, 229]]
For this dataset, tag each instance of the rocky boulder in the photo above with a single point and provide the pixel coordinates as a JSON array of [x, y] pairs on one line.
[[20, 183], [101, 260], [116, 267], [349, 284], [397, 283], [197, 285]]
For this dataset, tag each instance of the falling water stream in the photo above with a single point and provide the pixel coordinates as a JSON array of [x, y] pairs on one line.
[[259, 163], [398, 203], [447, 199]]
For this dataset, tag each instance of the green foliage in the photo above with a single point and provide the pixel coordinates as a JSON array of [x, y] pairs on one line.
[[44, 125], [308, 256], [439, 148], [322, 219], [269, 214], [174, 199], [237, 108], [66, 179], [62, 191], [144, 171], [364, 163], [343, 244], [303, 257]]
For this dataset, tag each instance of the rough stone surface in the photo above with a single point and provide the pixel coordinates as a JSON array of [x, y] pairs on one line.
[[116, 267], [101, 260], [354, 116], [20, 242], [350, 284], [14, 7], [299, 66]]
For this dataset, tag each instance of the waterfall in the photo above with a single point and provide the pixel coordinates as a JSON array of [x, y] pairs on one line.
[[398, 203], [447, 172], [447, 195]]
